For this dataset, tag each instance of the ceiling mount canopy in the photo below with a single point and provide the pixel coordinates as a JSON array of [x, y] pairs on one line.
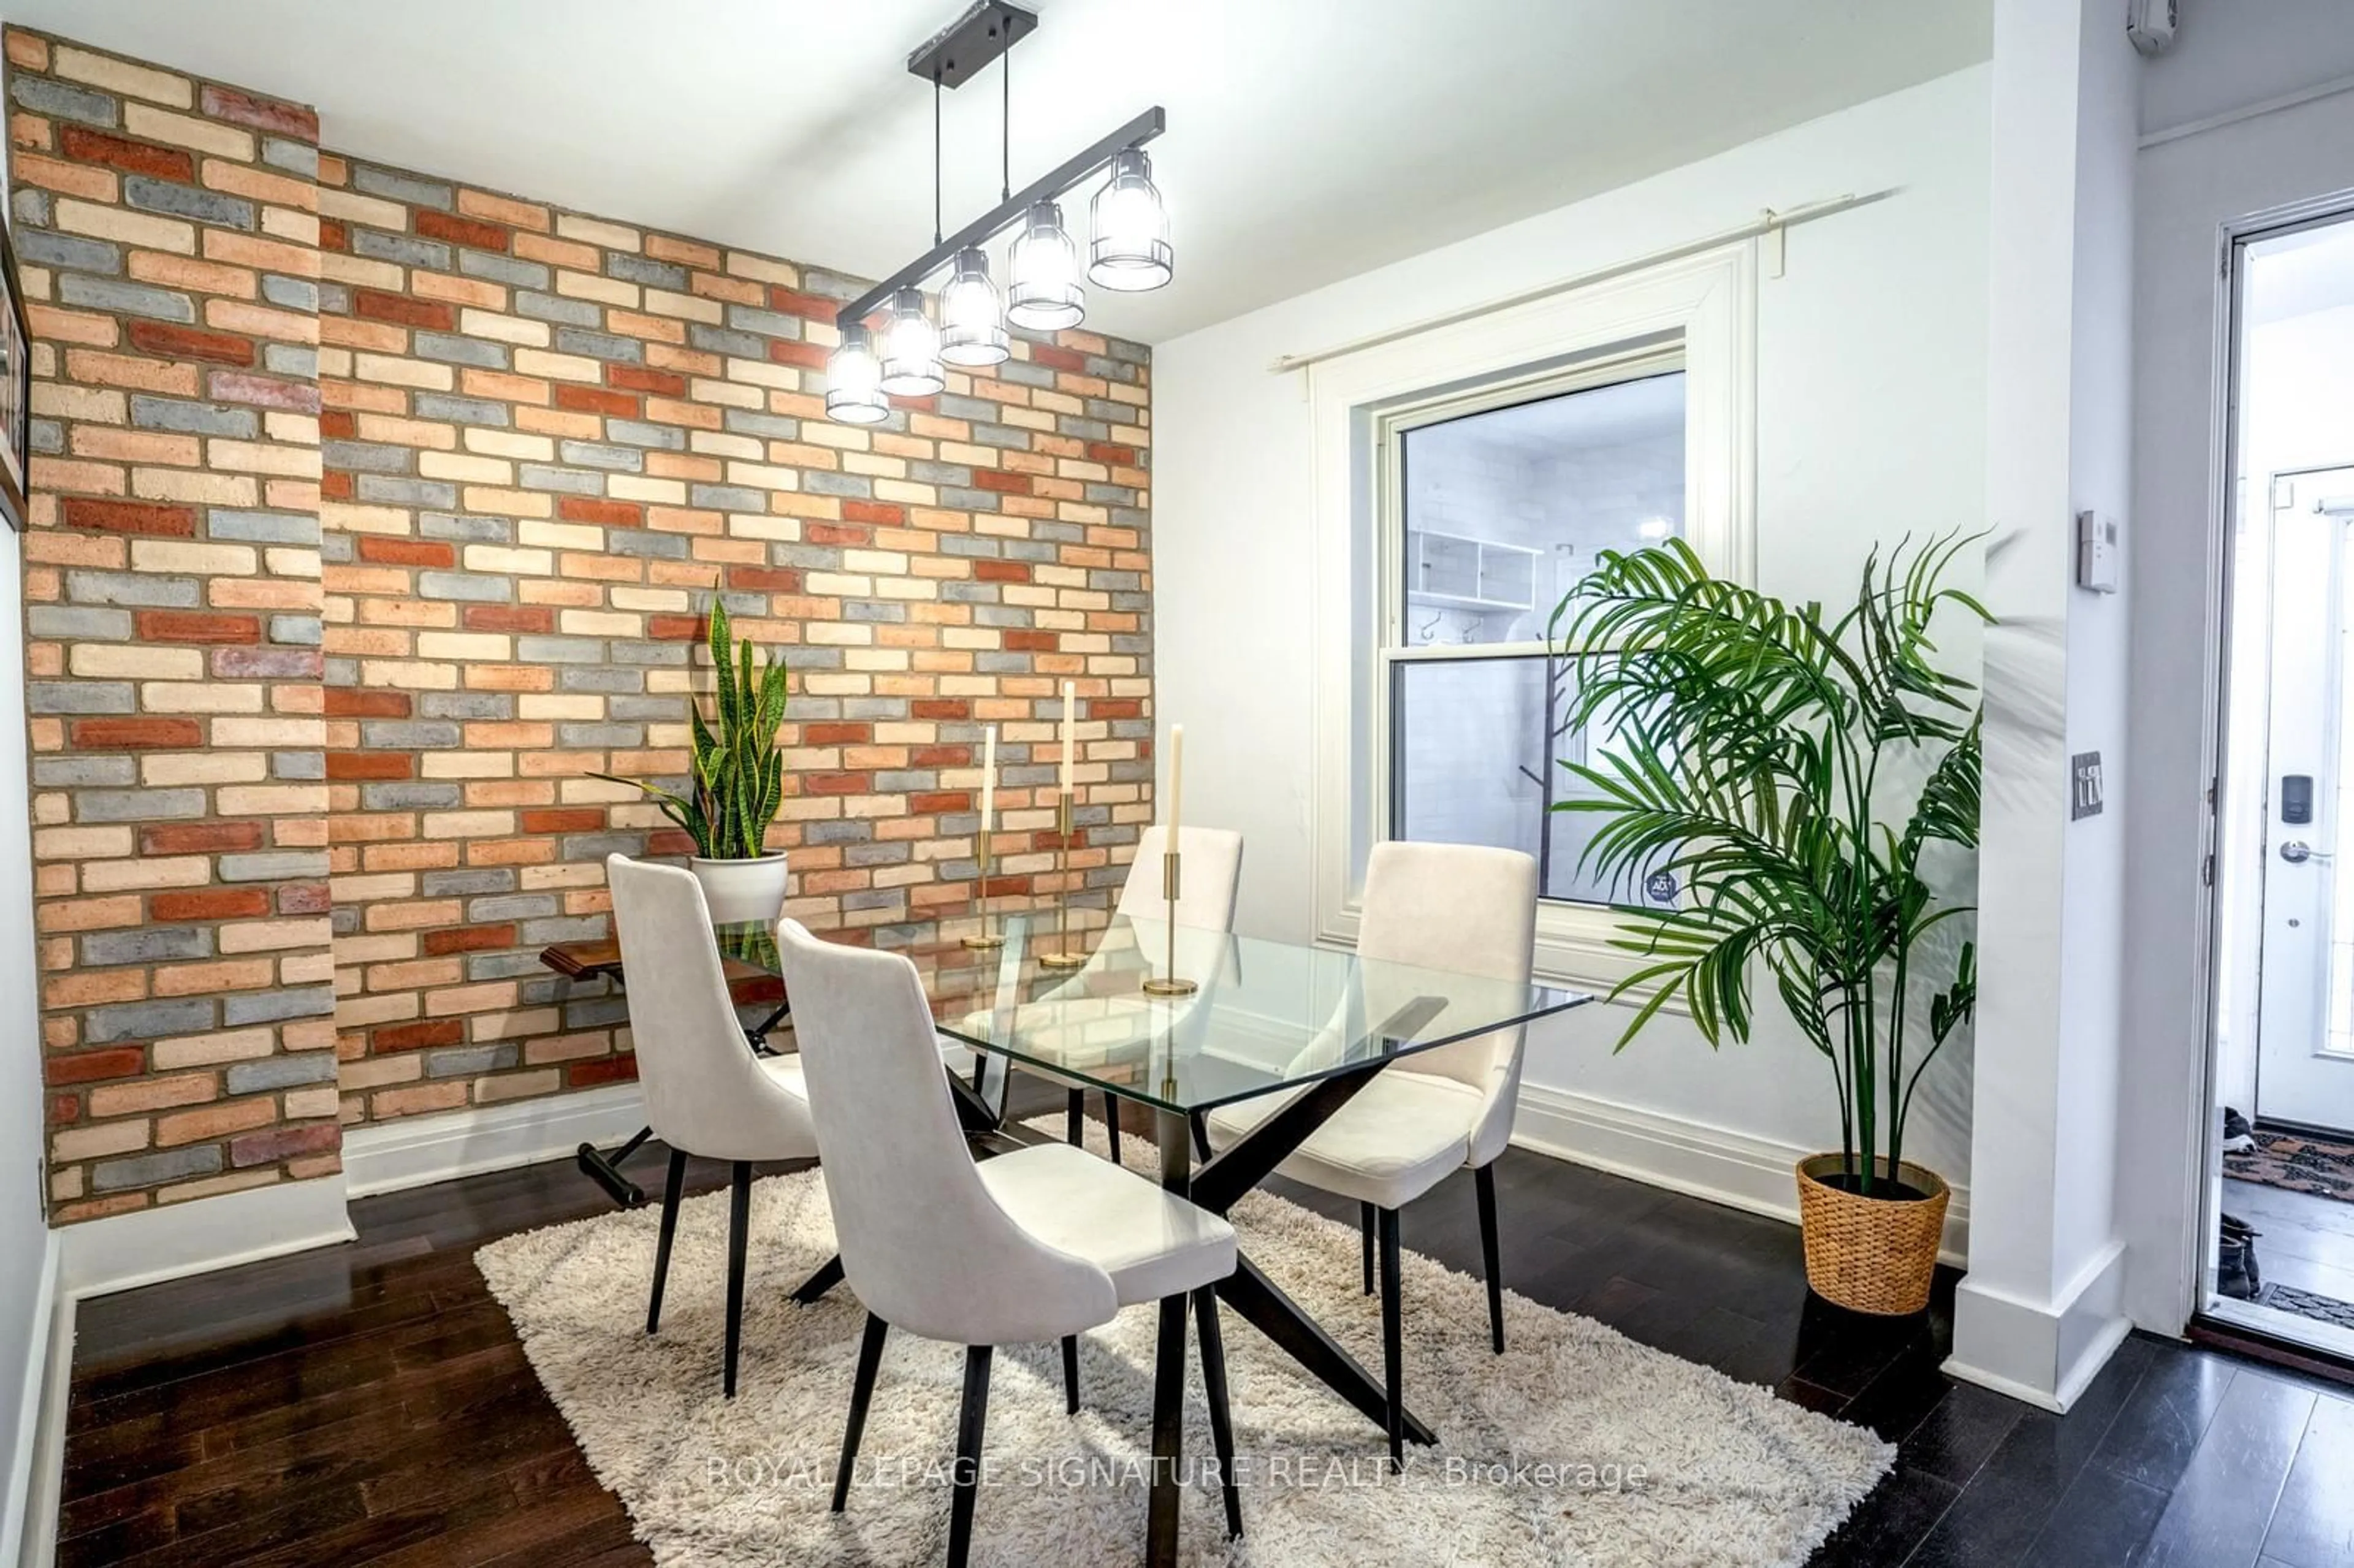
[[1129, 249]]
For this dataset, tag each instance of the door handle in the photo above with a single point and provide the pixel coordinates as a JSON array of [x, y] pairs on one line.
[[2296, 852]]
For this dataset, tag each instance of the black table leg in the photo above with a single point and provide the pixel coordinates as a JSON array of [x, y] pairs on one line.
[[1167, 1436], [1259, 1301]]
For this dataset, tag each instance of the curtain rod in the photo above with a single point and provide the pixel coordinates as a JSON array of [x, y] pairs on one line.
[[1769, 222]]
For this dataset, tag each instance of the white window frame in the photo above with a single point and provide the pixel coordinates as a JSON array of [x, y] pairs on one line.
[[1701, 309]]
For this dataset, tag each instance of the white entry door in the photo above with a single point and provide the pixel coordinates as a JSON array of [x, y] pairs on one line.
[[2305, 1066]]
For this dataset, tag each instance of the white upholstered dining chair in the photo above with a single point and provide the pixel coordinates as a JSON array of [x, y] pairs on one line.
[[1039, 1244], [706, 1094], [1459, 908], [1208, 874]]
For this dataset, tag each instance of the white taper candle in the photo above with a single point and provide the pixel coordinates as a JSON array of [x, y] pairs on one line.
[[988, 776], [1176, 780], [1070, 732]]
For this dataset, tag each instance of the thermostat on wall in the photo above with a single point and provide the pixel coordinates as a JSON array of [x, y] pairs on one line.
[[2097, 552]]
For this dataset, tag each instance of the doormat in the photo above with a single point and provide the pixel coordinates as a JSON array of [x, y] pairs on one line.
[[2306, 1304], [2298, 1163]]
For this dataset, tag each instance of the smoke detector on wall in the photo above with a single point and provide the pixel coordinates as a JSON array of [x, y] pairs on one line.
[[2150, 23]]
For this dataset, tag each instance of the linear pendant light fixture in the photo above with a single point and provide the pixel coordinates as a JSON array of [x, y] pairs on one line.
[[902, 354]]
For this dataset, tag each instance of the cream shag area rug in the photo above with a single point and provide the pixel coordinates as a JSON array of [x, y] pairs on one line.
[[1575, 1446]]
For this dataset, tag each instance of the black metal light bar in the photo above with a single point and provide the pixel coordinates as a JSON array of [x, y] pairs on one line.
[[1135, 134]]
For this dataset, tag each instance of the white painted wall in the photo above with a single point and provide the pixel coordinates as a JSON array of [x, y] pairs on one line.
[[1871, 417], [2232, 53]]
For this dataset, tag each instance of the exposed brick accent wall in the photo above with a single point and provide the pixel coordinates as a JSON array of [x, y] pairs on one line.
[[167, 233], [550, 436]]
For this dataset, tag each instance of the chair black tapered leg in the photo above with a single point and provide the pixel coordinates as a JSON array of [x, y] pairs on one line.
[[1161, 1506], [1484, 1180], [1075, 1119], [1365, 1231], [739, 1226], [1071, 1375], [1393, 1335], [862, 1394], [966, 1477], [672, 1192], [1111, 1123], [1213, 1384]]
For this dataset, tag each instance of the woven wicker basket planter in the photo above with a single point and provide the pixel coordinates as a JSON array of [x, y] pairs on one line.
[[1871, 1255]]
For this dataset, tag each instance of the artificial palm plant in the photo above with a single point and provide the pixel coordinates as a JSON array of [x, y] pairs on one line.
[[1753, 750], [737, 777]]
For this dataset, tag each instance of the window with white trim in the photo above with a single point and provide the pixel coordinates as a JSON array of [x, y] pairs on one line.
[[1493, 503]]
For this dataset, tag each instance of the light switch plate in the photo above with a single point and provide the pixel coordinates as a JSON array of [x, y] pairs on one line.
[[2084, 786], [2097, 549]]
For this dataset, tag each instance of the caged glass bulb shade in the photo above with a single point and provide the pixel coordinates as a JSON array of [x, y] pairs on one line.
[[972, 328], [1131, 251], [853, 389], [1046, 295], [911, 348]]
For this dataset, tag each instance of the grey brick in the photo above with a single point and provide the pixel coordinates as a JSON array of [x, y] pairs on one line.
[[78, 697], [641, 542], [598, 454], [196, 418], [513, 907], [473, 351], [771, 324], [601, 736], [294, 157], [599, 345], [475, 587], [775, 427], [465, 704], [729, 497], [294, 293], [394, 186], [130, 299], [275, 866], [31, 208], [720, 340], [131, 588], [80, 625], [473, 530], [395, 490], [283, 1072], [464, 884], [186, 201], [639, 433], [81, 772], [555, 308], [298, 764], [645, 270], [151, 1169], [137, 805], [378, 246], [263, 527], [503, 269], [291, 361], [48, 249], [408, 734], [593, 678], [147, 945], [566, 480], [537, 933], [465, 1061], [269, 1006], [43, 96], [411, 795], [461, 410], [360, 456], [819, 481], [559, 650], [147, 1019]]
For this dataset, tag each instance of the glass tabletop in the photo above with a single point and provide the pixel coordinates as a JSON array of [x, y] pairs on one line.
[[1262, 1016]]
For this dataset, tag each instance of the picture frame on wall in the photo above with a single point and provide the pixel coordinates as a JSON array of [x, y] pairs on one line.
[[16, 389]]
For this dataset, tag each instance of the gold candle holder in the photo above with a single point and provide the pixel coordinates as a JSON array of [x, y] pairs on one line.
[[990, 936], [1171, 983], [1063, 956]]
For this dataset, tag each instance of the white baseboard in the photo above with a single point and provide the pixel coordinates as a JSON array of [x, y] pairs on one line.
[[1735, 1169], [150, 1246], [2044, 1352], [28, 1513], [415, 1152]]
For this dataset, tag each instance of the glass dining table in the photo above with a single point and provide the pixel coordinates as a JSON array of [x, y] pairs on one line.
[[1082, 994]]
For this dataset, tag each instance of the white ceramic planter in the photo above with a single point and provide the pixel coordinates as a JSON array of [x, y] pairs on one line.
[[742, 889]]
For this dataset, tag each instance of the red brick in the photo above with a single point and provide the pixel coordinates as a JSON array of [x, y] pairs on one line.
[[85, 145], [131, 518], [1002, 571], [469, 940], [765, 579], [1018, 642], [638, 378], [195, 626], [604, 1070], [334, 235], [403, 310], [396, 552], [1048, 354], [304, 899], [418, 1036], [1115, 708], [564, 820], [940, 757], [371, 764], [669, 841], [268, 115], [199, 838], [268, 663], [837, 733], [926, 802], [999, 480], [793, 301], [64, 1109], [952, 709], [190, 343], [675, 628], [135, 734], [509, 618], [90, 1067], [461, 230], [835, 533], [597, 400], [589, 509], [350, 701], [338, 425], [273, 1144], [1111, 454], [335, 484], [809, 356], [208, 904], [881, 512], [264, 391]]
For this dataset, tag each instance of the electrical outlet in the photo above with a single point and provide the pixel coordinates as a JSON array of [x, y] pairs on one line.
[[2085, 790]]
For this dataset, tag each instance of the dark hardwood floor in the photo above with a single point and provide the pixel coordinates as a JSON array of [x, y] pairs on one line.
[[369, 1404]]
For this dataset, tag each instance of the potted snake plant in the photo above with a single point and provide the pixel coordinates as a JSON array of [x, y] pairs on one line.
[[1792, 772], [735, 781]]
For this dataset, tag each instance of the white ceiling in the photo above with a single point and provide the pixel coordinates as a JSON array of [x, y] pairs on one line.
[[1308, 139]]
